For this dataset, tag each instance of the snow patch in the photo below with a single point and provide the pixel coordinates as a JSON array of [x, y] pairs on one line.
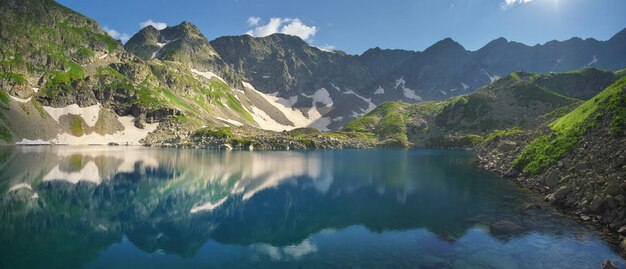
[[21, 186], [103, 56], [36, 90], [233, 122], [131, 135], [208, 207], [370, 106], [26, 141], [408, 93], [17, 99], [161, 45], [380, 90], [400, 82], [320, 96], [465, 86], [294, 115], [89, 114], [289, 102], [207, 75], [491, 78], [266, 122], [593, 62]]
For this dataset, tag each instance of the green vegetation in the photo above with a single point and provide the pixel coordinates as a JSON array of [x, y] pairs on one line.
[[387, 122], [4, 97], [77, 125], [243, 142], [15, 78], [502, 134], [5, 134], [223, 132], [568, 130], [63, 81]]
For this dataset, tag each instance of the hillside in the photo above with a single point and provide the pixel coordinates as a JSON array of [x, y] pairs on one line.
[[65, 81], [576, 160], [513, 102]]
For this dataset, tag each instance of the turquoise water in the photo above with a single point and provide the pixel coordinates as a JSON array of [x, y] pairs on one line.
[[118, 207]]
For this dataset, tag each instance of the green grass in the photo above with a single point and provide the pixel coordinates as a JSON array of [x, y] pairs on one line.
[[16, 78], [76, 125], [243, 142], [4, 97], [502, 134], [568, 130], [5, 134], [223, 132], [182, 118], [60, 81]]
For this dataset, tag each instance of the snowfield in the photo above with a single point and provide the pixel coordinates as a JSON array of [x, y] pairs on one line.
[[89, 114]]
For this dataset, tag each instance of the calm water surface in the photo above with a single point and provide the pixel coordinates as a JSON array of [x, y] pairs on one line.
[[118, 207]]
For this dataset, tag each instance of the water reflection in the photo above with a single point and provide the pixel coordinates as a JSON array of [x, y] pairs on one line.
[[98, 203]]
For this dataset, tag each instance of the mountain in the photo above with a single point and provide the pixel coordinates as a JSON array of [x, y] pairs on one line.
[[64, 80], [516, 101], [287, 66], [183, 43]]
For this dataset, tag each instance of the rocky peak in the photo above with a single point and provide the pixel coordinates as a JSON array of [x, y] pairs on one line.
[[447, 45], [620, 37], [183, 30]]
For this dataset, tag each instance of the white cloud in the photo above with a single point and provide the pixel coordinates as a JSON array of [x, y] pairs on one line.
[[155, 24], [253, 21], [116, 35], [508, 3], [282, 25]]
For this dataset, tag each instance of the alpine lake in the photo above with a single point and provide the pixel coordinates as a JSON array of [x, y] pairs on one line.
[[139, 207]]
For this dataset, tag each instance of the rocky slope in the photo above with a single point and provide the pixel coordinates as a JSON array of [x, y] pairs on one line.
[[65, 81], [289, 67], [577, 161], [514, 103]]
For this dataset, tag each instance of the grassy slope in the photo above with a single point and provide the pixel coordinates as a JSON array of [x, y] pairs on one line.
[[497, 109], [386, 122], [568, 130]]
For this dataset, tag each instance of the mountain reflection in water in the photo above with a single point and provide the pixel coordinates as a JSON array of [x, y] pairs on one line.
[[73, 207]]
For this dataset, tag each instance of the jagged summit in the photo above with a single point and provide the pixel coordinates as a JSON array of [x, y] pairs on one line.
[[445, 45]]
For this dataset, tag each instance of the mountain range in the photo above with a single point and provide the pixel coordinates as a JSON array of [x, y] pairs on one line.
[[64, 80]]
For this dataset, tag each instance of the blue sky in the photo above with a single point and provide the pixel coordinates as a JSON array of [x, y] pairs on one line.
[[356, 25]]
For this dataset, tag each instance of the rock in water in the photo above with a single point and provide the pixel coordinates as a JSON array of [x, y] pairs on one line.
[[504, 227], [608, 265]]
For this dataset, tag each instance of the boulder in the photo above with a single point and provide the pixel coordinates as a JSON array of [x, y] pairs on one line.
[[140, 123], [562, 193], [614, 189], [597, 204]]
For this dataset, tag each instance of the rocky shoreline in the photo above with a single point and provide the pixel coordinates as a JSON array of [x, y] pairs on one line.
[[587, 184]]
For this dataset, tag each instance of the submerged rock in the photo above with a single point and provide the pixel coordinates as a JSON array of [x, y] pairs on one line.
[[504, 227], [608, 265]]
